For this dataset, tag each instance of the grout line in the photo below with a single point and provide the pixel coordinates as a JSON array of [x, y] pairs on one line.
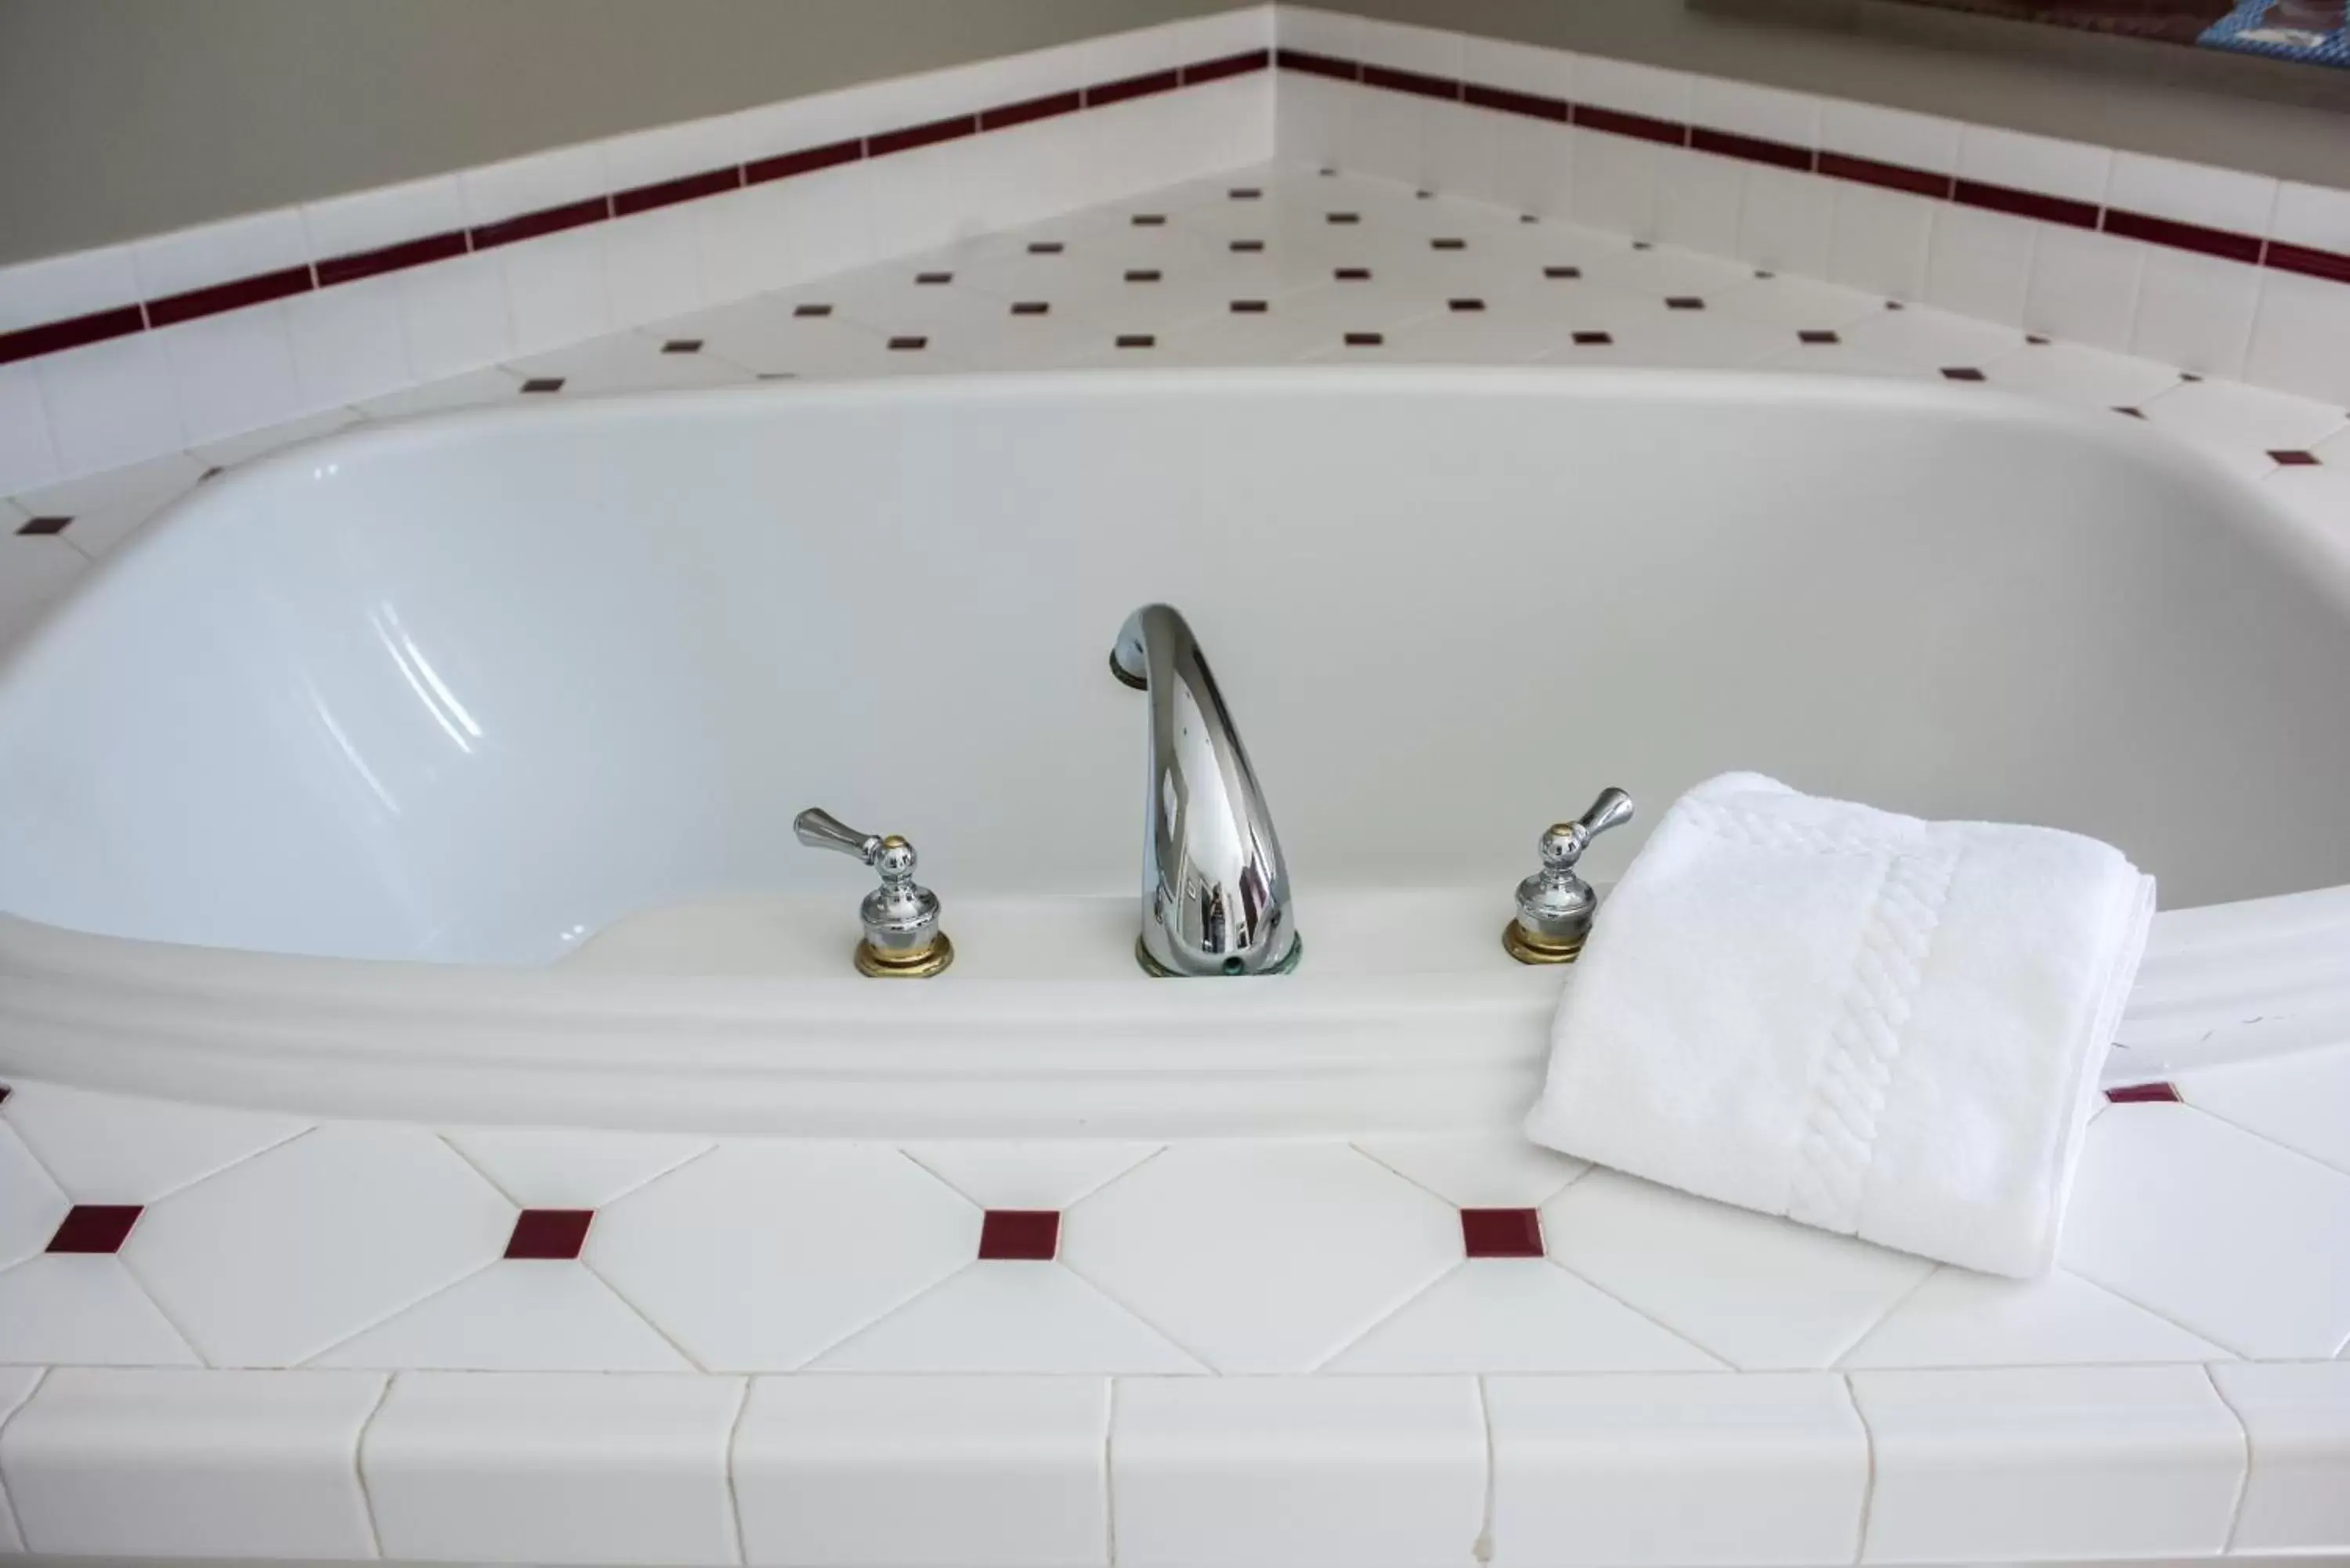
[[1483, 1549], [2244, 1480], [40, 1378], [359, 1462], [734, 1497], [308, 1360], [1722, 1363], [1108, 1470], [1868, 1481], [691, 1360], [1383, 1319], [1873, 1325]]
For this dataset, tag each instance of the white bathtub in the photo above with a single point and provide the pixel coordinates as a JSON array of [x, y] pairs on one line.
[[448, 769]]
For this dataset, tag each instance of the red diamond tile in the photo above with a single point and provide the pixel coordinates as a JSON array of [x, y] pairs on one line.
[[811, 310], [1031, 1235], [1502, 1232], [1683, 302], [1593, 339], [2143, 1094], [1561, 272], [2290, 458], [39, 525], [1818, 337], [542, 384], [1961, 373], [549, 1232], [682, 345], [95, 1227]]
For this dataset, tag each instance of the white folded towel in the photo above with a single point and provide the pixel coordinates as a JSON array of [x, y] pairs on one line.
[[1880, 1026]]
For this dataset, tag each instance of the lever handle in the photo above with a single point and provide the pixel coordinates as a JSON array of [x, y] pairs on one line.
[[1563, 845], [819, 829]]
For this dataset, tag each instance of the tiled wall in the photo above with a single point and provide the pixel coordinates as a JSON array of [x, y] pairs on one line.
[[2220, 272], [113, 356]]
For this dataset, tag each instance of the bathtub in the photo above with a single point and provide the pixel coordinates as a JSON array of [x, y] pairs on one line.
[[446, 770]]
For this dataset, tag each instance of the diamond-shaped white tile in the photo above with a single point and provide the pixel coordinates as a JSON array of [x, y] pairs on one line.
[[1478, 1170], [1519, 1315], [261, 443], [558, 1167], [83, 1309], [295, 1249], [1960, 1318], [2075, 373], [2321, 494], [121, 1148], [516, 1315], [1761, 1292], [1664, 271], [627, 362], [760, 1256], [2302, 1101], [108, 508], [2233, 1237], [998, 1315], [2232, 418], [30, 1203], [477, 388], [1798, 304], [1260, 1257], [1920, 338], [1046, 1174]]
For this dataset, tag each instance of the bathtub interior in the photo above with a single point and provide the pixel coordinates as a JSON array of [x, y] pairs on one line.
[[472, 689]]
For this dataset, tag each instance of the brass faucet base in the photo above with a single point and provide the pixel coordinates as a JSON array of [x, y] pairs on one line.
[[1532, 947], [919, 964]]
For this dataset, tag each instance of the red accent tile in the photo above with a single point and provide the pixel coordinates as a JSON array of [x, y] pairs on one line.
[[1501, 1232], [1816, 337], [1412, 82], [56, 337], [909, 345], [2143, 1094], [1891, 176], [1244, 193], [542, 384], [2303, 259], [913, 136], [807, 161], [2036, 340], [1364, 340], [1143, 274], [392, 258], [669, 192], [1352, 275], [2290, 458], [1464, 305], [1031, 109], [1534, 106], [1045, 247], [95, 1227], [1683, 302], [1248, 307], [549, 1232], [1751, 149], [44, 526], [1342, 218], [1238, 65], [1148, 221], [1137, 340], [1561, 272], [1031, 307], [1316, 65], [932, 279], [235, 295], [2024, 203], [545, 220], [1448, 245], [1025, 1235], [1616, 122], [682, 345], [2133, 413], [2182, 236], [811, 310], [215, 470], [1143, 86], [1247, 247], [1961, 373], [1593, 339]]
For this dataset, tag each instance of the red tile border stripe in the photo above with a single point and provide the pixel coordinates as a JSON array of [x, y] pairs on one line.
[[2182, 236], [392, 258], [102, 325], [1891, 176]]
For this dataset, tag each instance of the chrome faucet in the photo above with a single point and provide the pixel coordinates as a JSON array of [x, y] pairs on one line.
[[1215, 892]]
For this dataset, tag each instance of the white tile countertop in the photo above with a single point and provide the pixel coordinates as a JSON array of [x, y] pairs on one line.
[[232, 1333]]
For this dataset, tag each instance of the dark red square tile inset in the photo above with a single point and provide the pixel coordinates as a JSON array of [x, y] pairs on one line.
[[1342, 217], [1248, 247], [1031, 307], [909, 345], [1684, 302], [2036, 340], [1137, 340], [1818, 337], [2289, 459], [682, 345], [1045, 247], [1464, 305], [1245, 193], [1561, 272], [1961, 373], [811, 310], [1501, 1232], [1248, 307], [95, 1227], [1024, 1235], [1448, 245], [542, 384], [57, 525], [1364, 340], [2143, 1095], [1353, 274], [549, 1232], [2133, 413], [1143, 274], [1149, 220], [932, 279], [1593, 339]]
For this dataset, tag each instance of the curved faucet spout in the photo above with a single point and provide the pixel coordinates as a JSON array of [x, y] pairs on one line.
[[1215, 892]]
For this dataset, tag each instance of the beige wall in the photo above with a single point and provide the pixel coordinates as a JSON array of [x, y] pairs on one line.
[[2272, 116], [123, 117]]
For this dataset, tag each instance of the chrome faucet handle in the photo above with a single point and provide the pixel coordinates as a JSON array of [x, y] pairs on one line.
[[1556, 904], [902, 939]]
